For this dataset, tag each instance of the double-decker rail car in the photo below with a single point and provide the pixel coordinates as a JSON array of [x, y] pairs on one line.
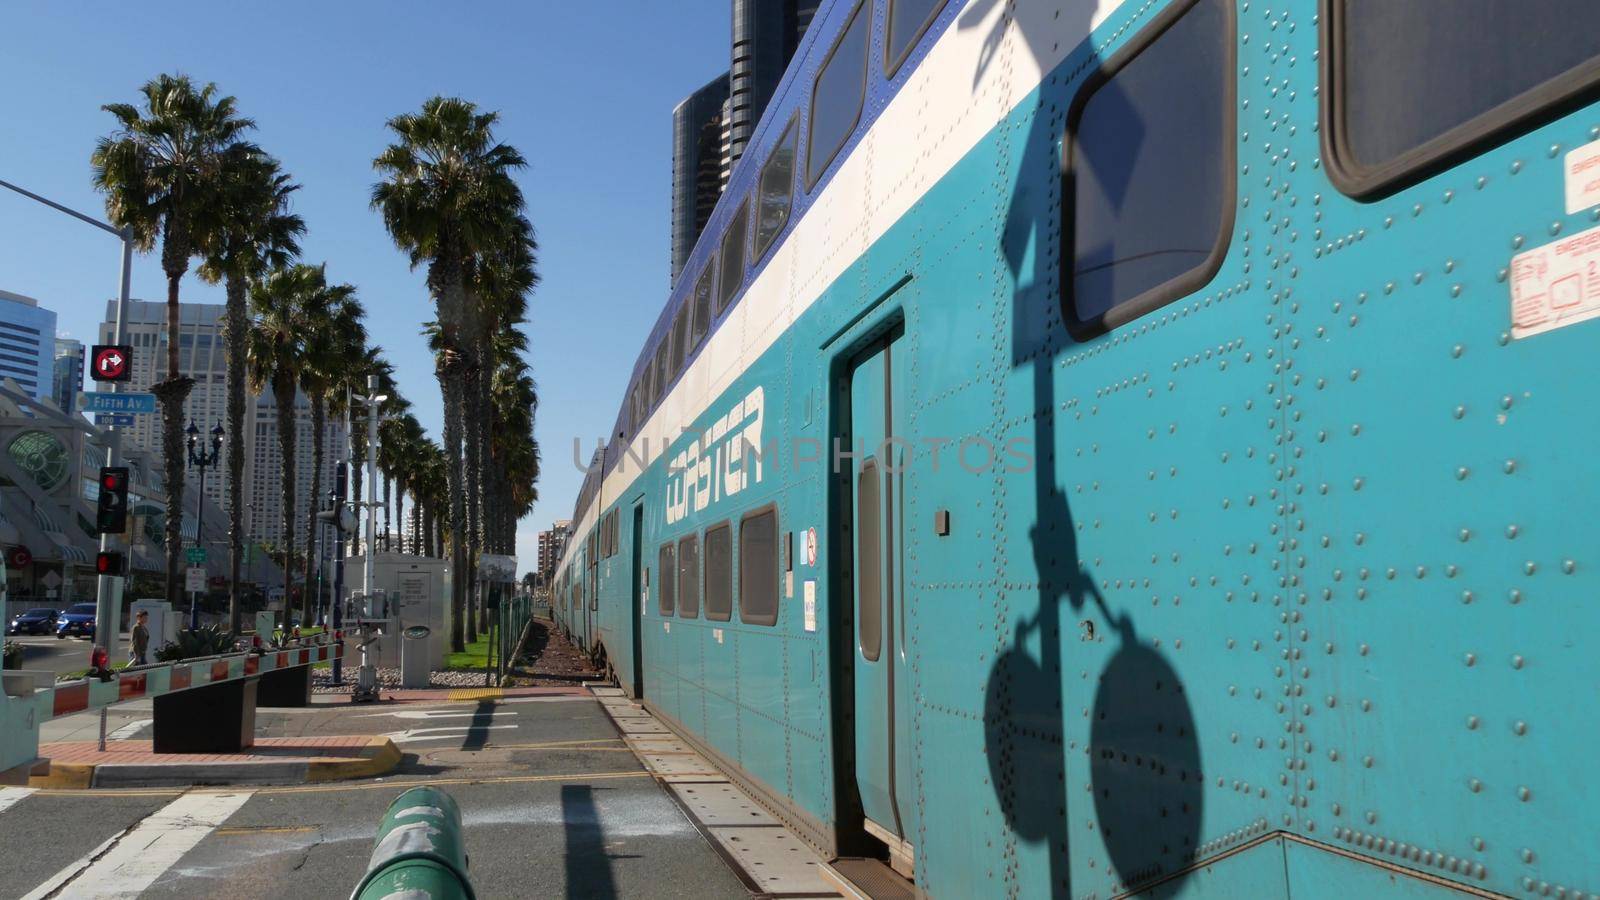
[[1141, 447]]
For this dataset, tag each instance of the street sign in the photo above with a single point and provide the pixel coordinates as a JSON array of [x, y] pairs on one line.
[[196, 579], [121, 420], [105, 402], [195, 555], [111, 362]]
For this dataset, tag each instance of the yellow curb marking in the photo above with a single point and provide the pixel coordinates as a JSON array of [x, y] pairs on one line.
[[264, 829]]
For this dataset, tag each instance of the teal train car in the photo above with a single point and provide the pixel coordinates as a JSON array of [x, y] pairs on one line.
[[1137, 448]]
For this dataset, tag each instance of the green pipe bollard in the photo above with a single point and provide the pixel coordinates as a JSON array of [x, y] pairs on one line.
[[420, 851]]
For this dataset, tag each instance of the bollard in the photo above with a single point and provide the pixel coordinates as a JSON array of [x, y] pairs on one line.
[[420, 851]]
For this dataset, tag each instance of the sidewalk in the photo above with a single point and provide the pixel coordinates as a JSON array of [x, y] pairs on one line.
[[272, 760], [437, 695]]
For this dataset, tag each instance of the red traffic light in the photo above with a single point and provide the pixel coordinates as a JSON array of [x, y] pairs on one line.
[[108, 564], [110, 480]]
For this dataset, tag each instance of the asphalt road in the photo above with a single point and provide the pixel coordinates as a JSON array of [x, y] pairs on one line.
[[555, 805], [58, 655]]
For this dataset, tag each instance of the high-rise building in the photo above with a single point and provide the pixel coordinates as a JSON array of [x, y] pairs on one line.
[[697, 162], [67, 373], [202, 355], [766, 34], [27, 343], [712, 126], [552, 544]]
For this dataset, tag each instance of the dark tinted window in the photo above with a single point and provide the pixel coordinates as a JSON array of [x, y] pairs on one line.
[[680, 338], [758, 568], [732, 258], [908, 19], [702, 306], [869, 565], [666, 590], [719, 572], [836, 99], [689, 577], [775, 192], [1151, 170], [1410, 73]]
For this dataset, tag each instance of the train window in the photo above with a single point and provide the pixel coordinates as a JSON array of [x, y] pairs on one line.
[[719, 572], [836, 98], [758, 567], [1149, 180], [702, 306], [661, 375], [667, 585], [869, 563], [680, 338], [689, 577], [732, 277], [908, 21], [775, 192], [1410, 88]]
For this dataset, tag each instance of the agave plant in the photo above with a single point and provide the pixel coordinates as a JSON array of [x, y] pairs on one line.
[[207, 640]]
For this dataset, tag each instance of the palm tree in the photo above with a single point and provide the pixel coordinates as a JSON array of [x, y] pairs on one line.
[[161, 172], [290, 305], [334, 337], [352, 381], [255, 233], [446, 195]]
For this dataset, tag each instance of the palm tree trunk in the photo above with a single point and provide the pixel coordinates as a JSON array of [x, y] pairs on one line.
[[400, 512], [172, 392], [283, 393], [358, 453], [237, 324], [319, 411], [450, 383], [386, 522], [416, 524]]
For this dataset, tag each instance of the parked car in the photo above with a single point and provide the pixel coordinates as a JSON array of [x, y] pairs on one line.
[[78, 620], [34, 621]]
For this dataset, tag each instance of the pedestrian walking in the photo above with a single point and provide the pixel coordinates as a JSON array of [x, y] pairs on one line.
[[139, 640]]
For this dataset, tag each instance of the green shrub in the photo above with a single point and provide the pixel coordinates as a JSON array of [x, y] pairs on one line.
[[12, 657], [208, 640]]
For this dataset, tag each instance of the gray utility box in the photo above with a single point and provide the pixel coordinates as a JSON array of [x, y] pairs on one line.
[[418, 588]]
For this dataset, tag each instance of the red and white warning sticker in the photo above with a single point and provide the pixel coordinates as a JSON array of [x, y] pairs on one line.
[[1556, 285], [1583, 178]]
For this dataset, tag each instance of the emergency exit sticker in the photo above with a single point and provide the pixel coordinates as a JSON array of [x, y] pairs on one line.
[[1583, 178], [1556, 285]]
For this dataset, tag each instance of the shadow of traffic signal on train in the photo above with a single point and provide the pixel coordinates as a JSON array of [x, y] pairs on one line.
[[1132, 747]]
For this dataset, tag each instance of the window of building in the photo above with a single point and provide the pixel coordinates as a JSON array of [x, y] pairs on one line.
[[702, 305], [775, 192], [838, 94], [689, 577], [869, 563], [719, 572], [758, 567], [1150, 175], [908, 21], [667, 585], [732, 277], [1409, 88]]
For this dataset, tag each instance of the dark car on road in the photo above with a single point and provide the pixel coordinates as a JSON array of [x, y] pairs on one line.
[[34, 621], [78, 620]]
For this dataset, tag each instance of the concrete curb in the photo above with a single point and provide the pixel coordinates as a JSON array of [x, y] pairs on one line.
[[379, 757]]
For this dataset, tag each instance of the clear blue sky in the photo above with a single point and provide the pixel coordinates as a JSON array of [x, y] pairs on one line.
[[585, 90]]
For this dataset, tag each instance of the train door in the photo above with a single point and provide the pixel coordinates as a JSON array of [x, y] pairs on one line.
[[636, 600], [883, 771]]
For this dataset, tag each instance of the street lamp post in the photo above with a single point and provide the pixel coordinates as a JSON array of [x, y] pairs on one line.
[[202, 459]]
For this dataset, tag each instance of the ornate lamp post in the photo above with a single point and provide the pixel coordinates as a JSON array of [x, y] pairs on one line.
[[202, 459]]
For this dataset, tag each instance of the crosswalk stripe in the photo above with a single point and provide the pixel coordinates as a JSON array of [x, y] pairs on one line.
[[10, 795], [129, 862]]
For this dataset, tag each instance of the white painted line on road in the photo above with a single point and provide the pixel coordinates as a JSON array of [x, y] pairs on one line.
[[10, 795], [412, 735], [127, 731], [430, 714], [129, 862]]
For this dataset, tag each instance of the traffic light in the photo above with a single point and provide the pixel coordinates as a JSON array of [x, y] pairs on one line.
[[107, 563], [111, 515]]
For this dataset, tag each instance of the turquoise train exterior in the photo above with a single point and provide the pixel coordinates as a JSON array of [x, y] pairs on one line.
[[1137, 448]]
